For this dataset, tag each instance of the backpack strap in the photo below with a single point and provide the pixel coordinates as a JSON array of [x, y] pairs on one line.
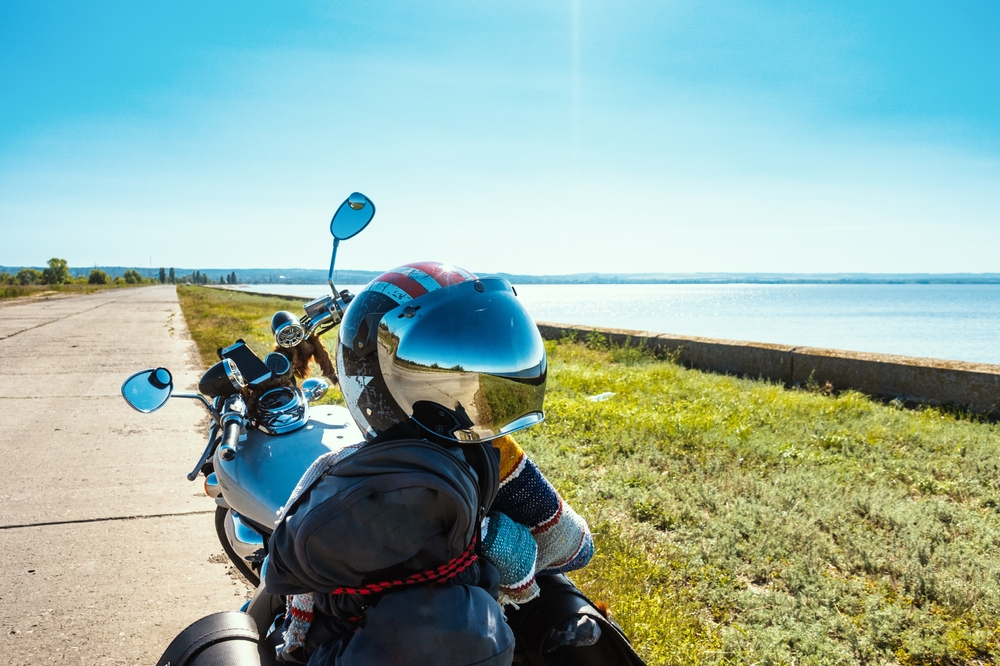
[[485, 461]]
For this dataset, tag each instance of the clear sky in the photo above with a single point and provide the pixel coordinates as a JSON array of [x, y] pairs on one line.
[[528, 137]]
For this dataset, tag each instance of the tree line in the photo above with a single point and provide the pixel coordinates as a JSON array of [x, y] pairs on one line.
[[58, 272], [196, 277]]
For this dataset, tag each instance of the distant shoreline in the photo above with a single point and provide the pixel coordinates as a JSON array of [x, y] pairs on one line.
[[526, 279], [537, 280], [947, 321], [317, 276]]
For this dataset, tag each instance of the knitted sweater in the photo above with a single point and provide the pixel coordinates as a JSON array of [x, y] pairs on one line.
[[526, 497]]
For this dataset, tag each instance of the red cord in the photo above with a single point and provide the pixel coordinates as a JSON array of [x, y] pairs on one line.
[[444, 572]]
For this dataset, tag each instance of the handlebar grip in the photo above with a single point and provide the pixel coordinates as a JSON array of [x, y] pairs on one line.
[[230, 437]]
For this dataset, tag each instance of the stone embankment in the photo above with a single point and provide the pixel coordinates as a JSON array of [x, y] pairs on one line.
[[972, 386]]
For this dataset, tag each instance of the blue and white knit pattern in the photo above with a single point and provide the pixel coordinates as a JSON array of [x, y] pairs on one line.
[[511, 548], [300, 617], [527, 497]]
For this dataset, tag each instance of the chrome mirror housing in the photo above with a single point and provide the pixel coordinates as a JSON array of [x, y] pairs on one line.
[[148, 390], [349, 220], [314, 389]]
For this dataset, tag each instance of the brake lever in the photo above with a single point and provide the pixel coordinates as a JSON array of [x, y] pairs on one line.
[[212, 434]]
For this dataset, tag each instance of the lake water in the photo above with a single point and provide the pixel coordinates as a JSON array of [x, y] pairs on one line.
[[959, 322]]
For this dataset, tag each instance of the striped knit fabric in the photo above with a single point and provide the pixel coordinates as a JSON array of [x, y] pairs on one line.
[[297, 625], [563, 538], [510, 547]]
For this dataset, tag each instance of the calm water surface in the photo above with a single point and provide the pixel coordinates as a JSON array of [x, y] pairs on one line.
[[960, 322]]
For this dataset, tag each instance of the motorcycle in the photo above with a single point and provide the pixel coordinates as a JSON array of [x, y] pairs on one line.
[[265, 433]]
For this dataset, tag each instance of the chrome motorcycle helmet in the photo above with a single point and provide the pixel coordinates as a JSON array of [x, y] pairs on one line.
[[457, 354]]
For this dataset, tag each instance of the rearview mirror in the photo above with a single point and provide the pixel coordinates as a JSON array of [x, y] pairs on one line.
[[352, 216], [148, 390], [314, 389]]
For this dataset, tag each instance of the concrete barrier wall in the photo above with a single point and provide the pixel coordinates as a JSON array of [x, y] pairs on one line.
[[294, 299], [974, 386]]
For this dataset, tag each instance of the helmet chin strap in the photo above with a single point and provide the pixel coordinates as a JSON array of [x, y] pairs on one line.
[[410, 429]]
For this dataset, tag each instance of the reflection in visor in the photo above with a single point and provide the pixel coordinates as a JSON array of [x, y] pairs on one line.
[[467, 365]]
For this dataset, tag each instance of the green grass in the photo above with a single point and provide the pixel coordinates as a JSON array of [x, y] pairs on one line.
[[738, 522], [795, 527], [218, 317], [20, 291]]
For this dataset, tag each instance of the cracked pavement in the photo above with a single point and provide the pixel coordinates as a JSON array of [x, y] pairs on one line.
[[107, 550]]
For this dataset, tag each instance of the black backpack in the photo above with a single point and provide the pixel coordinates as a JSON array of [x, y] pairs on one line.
[[559, 601], [390, 533], [392, 511]]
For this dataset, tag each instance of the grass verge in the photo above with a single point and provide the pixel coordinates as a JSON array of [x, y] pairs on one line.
[[218, 317], [21, 291], [738, 522]]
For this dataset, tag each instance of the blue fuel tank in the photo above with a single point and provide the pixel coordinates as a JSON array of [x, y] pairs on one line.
[[258, 481]]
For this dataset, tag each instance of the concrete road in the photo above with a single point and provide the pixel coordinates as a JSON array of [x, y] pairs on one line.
[[107, 551]]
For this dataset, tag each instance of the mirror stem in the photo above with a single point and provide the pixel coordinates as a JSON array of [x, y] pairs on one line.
[[200, 398], [333, 260]]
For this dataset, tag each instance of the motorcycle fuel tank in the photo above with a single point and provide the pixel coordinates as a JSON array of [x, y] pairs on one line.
[[260, 478]]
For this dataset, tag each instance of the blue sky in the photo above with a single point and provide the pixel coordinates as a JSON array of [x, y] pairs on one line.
[[534, 137]]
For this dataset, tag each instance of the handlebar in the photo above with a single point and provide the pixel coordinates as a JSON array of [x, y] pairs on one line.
[[231, 435], [232, 425], [231, 422]]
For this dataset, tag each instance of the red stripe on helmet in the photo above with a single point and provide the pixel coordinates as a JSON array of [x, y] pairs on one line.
[[404, 282], [444, 275]]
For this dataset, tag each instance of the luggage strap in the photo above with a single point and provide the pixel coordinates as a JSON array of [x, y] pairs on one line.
[[442, 573]]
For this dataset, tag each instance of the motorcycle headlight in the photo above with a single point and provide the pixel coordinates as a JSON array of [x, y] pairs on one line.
[[223, 378]]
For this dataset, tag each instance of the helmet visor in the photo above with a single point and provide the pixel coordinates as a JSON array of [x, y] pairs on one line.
[[467, 362]]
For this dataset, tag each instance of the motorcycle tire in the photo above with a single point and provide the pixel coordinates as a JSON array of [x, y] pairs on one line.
[[241, 565], [228, 638]]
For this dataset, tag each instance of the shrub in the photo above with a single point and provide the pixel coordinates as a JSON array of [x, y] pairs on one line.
[[29, 276], [57, 272], [97, 276], [132, 276]]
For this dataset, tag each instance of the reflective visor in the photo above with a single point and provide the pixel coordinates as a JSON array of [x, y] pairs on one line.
[[466, 362]]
